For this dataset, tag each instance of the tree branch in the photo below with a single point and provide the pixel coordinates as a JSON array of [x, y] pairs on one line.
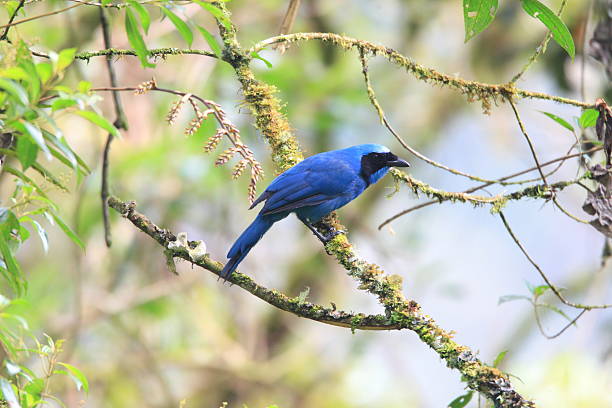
[[120, 123], [297, 306], [265, 107], [486, 93]]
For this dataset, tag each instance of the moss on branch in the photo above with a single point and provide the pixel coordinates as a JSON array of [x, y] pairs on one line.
[[269, 119], [295, 305], [487, 94], [497, 202]]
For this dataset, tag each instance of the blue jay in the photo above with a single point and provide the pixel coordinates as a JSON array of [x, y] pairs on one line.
[[312, 189]]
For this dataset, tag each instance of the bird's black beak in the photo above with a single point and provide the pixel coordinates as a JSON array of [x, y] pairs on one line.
[[398, 163]]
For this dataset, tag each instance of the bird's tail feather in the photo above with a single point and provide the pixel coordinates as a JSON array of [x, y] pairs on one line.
[[246, 241]]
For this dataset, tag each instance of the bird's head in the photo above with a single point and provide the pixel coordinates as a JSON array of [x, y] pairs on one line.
[[375, 161]]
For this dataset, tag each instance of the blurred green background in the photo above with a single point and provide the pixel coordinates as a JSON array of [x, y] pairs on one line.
[[145, 337]]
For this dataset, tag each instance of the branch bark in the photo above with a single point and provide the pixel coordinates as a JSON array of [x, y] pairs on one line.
[[295, 305], [265, 108]]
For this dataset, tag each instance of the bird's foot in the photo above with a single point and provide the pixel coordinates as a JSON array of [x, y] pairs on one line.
[[332, 234]]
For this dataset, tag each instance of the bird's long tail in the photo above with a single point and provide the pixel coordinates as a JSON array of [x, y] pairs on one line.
[[246, 241]]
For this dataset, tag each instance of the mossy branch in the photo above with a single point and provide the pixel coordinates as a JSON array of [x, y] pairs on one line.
[[497, 202], [265, 107], [296, 305], [487, 94]]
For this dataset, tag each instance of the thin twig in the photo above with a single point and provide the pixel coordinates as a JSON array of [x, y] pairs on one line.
[[51, 13], [120, 123], [4, 35], [554, 289], [537, 162], [560, 332], [527, 138], [385, 122], [541, 49], [481, 186]]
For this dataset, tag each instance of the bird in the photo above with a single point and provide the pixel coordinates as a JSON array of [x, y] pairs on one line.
[[312, 189]]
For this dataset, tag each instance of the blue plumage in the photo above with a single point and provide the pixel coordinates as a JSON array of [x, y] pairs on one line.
[[312, 189]]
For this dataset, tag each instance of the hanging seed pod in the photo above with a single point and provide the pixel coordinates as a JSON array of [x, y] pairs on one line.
[[239, 168], [225, 156], [252, 190], [176, 108], [146, 87], [194, 125], [214, 140]]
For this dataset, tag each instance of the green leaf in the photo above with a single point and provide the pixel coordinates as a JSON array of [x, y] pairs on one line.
[[559, 120], [559, 30], [539, 290], [462, 400], [259, 57], [510, 298], [588, 118], [9, 394], [135, 39], [145, 19], [216, 12], [45, 71], [62, 103], [8, 222], [180, 25], [477, 15], [26, 179], [27, 128], [15, 275], [100, 121], [499, 358], [27, 151], [84, 86], [49, 176], [15, 90], [41, 233], [35, 387], [65, 59], [77, 376], [211, 40], [67, 230]]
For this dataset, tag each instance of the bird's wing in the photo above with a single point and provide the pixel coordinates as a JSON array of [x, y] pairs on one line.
[[311, 182], [293, 205]]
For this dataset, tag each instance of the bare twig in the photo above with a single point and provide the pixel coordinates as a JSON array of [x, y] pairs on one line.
[[385, 122], [120, 123], [51, 13], [562, 330], [527, 138], [4, 35], [541, 49], [553, 288]]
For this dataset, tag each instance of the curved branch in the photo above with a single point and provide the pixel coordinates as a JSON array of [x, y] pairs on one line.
[[486, 93], [154, 52], [501, 181], [297, 306], [265, 107]]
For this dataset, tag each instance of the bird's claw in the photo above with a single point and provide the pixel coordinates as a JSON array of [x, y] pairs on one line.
[[332, 234]]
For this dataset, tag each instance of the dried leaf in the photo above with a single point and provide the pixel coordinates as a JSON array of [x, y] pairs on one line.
[[601, 43], [599, 202]]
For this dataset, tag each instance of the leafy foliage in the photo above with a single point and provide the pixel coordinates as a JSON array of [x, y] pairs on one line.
[[477, 15]]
